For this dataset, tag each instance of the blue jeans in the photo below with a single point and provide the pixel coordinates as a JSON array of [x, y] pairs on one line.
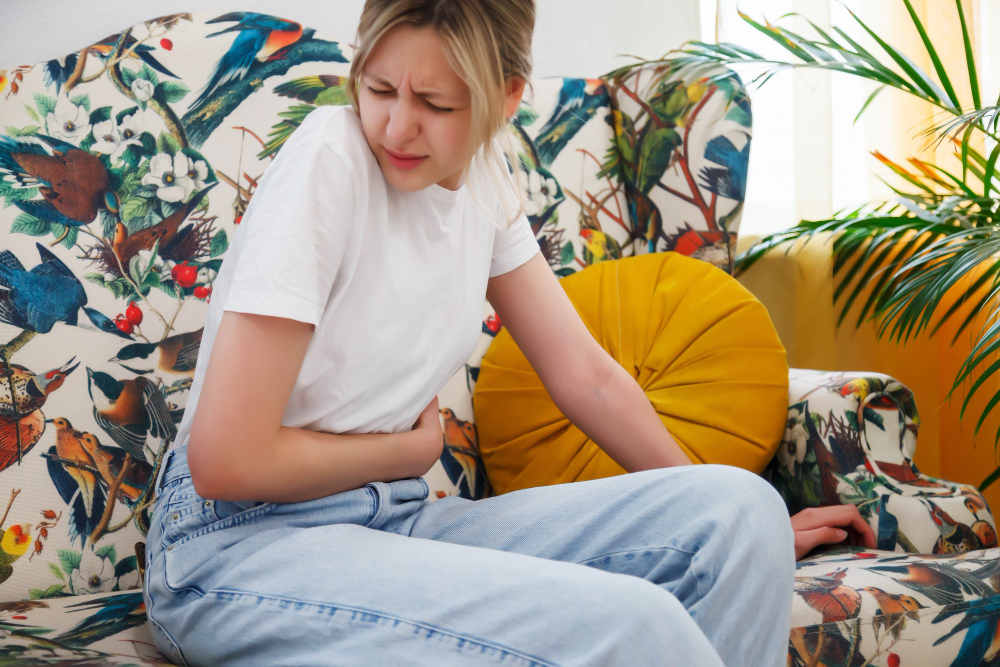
[[675, 566]]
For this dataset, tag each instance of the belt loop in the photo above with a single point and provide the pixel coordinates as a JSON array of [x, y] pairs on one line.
[[163, 468]]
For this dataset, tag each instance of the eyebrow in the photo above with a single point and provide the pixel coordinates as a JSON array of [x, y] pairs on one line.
[[426, 93]]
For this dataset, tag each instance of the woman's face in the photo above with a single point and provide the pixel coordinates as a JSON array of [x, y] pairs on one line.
[[412, 103]]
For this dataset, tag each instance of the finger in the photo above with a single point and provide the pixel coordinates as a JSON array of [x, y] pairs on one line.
[[864, 530], [855, 539], [810, 539], [859, 527], [817, 517], [836, 515]]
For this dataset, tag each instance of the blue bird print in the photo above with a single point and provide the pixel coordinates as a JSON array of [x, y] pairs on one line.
[[888, 525], [35, 300], [979, 645], [55, 72], [115, 613], [86, 502], [578, 100], [730, 180], [143, 52], [261, 38], [646, 217]]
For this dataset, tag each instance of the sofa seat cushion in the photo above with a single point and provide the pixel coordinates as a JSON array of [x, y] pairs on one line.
[[853, 606], [702, 348]]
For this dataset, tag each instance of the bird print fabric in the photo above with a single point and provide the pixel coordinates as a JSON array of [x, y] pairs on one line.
[[125, 168]]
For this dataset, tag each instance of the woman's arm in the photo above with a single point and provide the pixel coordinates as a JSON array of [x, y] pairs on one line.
[[618, 416], [584, 381], [239, 450]]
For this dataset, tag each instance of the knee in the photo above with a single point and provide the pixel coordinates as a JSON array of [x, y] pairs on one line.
[[755, 512]]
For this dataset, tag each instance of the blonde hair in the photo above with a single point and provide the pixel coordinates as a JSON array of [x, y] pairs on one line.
[[486, 42]]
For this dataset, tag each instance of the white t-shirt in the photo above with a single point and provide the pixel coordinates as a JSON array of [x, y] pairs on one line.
[[394, 282]]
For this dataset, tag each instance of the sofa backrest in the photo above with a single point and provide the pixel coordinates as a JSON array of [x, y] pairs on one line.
[[125, 168]]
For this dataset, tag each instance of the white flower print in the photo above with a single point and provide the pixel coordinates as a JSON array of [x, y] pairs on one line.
[[197, 172], [792, 450], [541, 194], [171, 176], [69, 122], [94, 575], [106, 137], [128, 131], [142, 89], [112, 139], [128, 580]]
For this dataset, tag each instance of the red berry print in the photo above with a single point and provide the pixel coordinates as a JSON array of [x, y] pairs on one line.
[[893, 660], [187, 275], [166, 44], [201, 291], [133, 313], [124, 325], [493, 323]]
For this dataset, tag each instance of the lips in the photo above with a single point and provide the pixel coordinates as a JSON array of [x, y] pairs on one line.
[[401, 162], [403, 156]]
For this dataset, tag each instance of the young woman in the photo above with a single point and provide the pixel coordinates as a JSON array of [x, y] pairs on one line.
[[352, 292]]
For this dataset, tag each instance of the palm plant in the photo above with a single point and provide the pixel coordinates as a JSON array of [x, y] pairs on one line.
[[942, 228]]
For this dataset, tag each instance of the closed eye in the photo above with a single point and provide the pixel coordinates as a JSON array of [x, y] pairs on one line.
[[390, 92]]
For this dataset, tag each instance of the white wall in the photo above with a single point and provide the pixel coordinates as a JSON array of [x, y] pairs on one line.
[[572, 37]]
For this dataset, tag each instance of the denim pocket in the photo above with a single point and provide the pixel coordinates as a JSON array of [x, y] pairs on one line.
[[182, 511], [185, 553]]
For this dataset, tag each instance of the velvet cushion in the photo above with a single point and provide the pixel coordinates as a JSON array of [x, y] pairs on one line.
[[700, 345]]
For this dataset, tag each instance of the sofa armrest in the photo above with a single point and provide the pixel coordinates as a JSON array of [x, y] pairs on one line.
[[850, 438]]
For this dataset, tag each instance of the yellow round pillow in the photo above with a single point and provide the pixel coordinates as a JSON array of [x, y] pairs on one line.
[[700, 345]]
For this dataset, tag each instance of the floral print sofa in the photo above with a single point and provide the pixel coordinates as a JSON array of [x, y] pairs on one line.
[[125, 168]]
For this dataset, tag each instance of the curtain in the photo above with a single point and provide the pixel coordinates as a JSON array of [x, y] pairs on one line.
[[810, 159]]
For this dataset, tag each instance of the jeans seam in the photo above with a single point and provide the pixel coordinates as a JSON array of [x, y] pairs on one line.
[[694, 568], [632, 551], [178, 654], [422, 625]]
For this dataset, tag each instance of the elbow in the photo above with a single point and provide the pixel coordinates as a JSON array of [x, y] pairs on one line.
[[201, 466], [571, 391], [205, 465], [218, 466]]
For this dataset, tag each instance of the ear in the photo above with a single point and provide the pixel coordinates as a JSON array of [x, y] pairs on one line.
[[514, 90]]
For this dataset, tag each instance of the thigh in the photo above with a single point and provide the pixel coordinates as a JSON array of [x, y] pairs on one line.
[[347, 594], [717, 538], [599, 522]]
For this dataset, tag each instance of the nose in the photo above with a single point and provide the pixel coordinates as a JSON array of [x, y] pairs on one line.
[[402, 125]]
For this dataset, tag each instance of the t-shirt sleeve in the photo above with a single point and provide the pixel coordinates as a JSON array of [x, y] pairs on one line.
[[295, 234], [513, 246]]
